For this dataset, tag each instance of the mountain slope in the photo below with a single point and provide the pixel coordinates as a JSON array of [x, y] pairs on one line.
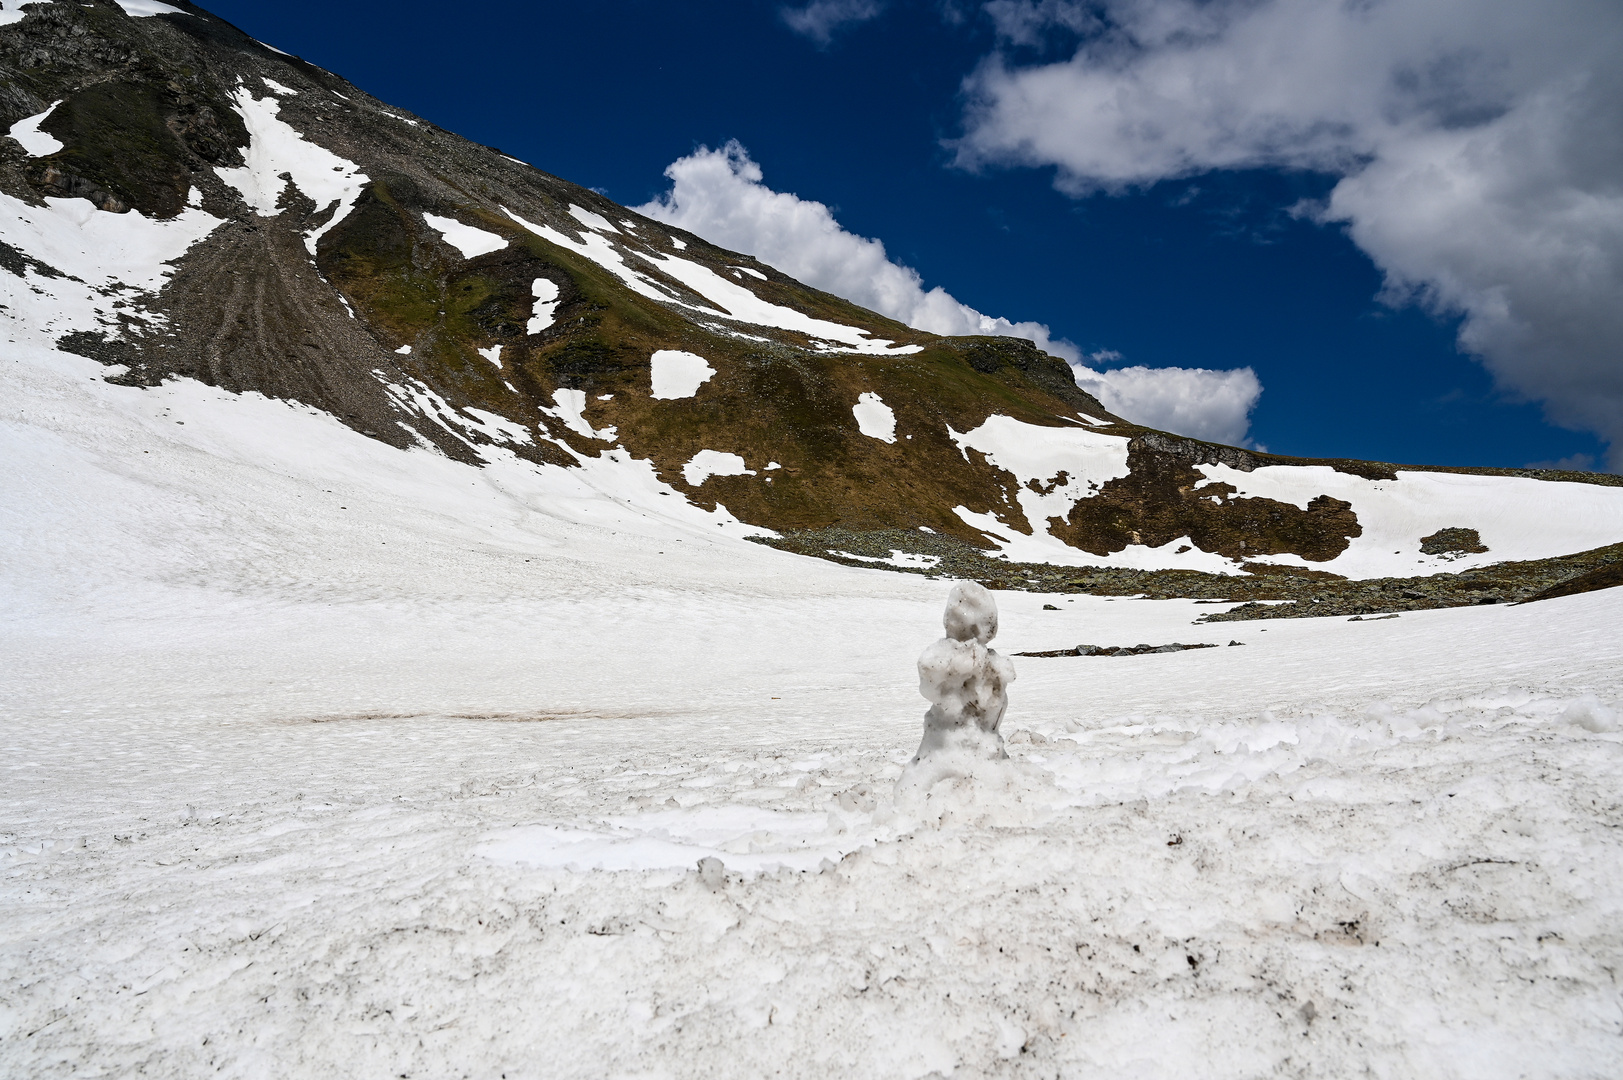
[[178, 200]]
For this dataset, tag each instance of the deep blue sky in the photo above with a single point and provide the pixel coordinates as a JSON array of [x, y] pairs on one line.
[[1205, 273]]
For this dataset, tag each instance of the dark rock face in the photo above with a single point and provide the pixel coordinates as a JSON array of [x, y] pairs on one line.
[[1603, 577], [1165, 497], [1452, 542], [1121, 650]]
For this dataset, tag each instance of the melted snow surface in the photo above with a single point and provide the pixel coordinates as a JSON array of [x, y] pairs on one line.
[[36, 142], [708, 463], [312, 746], [1517, 518], [874, 418], [676, 374], [470, 241], [274, 148]]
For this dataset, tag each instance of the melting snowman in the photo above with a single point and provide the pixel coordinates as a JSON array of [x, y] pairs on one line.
[[966, 684]]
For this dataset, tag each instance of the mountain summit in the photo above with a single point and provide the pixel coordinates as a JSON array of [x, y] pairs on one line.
[[178, 200]]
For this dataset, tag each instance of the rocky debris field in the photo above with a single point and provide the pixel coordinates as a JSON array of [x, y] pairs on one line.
[[1122, 650], [1305, 593]]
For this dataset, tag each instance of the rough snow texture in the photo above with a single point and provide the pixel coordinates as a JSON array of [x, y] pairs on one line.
[[874, 418], [303, 734], [274, 148], [470, 241], [966, 684], [36, 142], [676, 374], [708, 463]]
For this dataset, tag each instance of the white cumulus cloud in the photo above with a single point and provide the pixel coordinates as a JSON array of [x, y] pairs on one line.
[[719, 195], [1212, 405], [1479, 146], [820, 19]]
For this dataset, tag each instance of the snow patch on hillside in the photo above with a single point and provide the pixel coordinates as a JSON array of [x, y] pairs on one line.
[[874, 418], [36, 142], [734, 301], [906, 559], [743, 305], [591, 220], [141, 9], [603, 253], [103, 256], [470, 241], [571, 409], [545, 291], [1053, 467], [675, 374], [708, 463], [274, 148]]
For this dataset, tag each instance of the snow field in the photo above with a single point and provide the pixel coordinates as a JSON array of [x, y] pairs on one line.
[[303, 735], [1414, 888], [311, 747]]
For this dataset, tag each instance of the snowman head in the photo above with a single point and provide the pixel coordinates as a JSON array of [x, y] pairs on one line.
[[971, 613]]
